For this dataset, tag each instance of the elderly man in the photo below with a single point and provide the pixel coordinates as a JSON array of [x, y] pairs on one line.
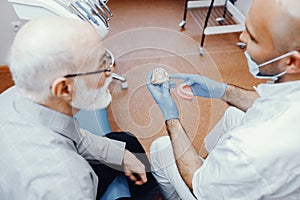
[[254, 149], [59, 67]]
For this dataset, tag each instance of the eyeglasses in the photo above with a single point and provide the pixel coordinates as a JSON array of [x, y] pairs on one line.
[[107, 64]]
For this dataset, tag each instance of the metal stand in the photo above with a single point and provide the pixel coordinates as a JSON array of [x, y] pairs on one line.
[[222, 19], [228, 6], [182, 23], [201, 50]]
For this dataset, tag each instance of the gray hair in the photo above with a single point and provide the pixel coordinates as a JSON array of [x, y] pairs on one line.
[[39, 55], [34, 72]]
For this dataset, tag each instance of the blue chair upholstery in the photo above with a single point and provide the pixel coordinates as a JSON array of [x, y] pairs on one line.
[[117, 189], [94, 121], [97, 123]]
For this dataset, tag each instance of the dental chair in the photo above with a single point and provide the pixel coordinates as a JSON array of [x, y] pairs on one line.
[[97, 13], [97, 123]]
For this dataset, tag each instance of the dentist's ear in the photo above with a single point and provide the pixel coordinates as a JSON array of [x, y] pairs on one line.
[[62, 88], [293, 63]]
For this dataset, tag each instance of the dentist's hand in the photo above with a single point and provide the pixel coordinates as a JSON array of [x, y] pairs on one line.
[[161, 94], [202, 86]]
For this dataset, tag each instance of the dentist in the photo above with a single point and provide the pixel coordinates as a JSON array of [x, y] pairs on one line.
[[253, 151]]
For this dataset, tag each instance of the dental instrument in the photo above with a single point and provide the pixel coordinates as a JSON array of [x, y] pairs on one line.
[[88, 14], [99, 8], [94, 9], [103, 3]]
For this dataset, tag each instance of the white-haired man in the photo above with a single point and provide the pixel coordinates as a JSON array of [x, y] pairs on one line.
[[59, 66], [254, 149]]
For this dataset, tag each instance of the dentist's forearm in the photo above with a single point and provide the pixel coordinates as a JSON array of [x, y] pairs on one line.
[[239, 97], [187, 158]]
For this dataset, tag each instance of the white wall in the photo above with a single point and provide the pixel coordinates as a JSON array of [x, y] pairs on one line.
[[6, 30], [243, 6]]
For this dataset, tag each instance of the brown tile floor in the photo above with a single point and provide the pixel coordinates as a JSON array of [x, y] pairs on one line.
[[5, 78], [145, 34]]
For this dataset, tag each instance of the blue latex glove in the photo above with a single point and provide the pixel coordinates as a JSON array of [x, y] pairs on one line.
[[202, 86], [162, 96]]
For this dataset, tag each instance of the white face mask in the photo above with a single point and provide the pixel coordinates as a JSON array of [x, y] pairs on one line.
[[91, 99], [254, 67]]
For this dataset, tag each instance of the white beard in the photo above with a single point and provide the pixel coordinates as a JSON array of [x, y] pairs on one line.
[[91, 99]]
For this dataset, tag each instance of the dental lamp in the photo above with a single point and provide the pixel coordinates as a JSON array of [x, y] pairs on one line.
[[95, 12]]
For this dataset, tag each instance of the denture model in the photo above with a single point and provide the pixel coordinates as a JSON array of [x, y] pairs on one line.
[[184, 91], [159, 75]]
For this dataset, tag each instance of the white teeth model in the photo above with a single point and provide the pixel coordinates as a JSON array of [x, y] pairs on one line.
[[184, 91], [159, 75]]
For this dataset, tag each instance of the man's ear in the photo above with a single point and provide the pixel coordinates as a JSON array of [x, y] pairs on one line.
[[62, 88], [293, 63]]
